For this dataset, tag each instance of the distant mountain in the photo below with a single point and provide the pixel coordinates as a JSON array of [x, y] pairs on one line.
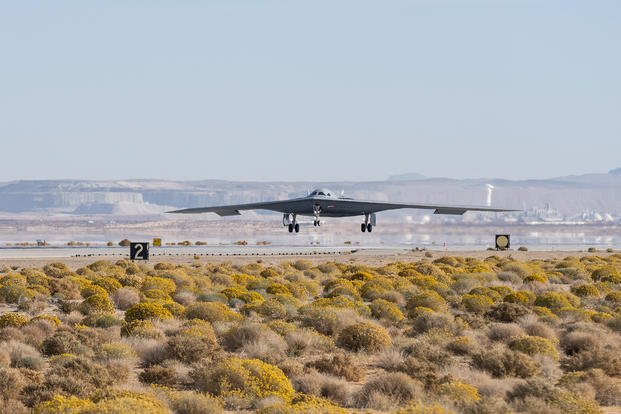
[[406, 177], [615, 171], [571, 195]]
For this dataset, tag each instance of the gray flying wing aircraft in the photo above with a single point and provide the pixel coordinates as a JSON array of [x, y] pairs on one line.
[[323, 202]]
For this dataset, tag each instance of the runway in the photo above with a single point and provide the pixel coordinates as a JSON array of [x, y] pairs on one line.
[[76, 257], [214, 251]]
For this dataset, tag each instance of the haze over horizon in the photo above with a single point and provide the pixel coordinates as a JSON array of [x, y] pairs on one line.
[[278, 91]]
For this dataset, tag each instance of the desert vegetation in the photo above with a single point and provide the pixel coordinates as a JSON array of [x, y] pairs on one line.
[[439, 335]]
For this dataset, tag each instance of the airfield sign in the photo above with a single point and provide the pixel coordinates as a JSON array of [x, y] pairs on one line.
[[139, 251], [503, 241]]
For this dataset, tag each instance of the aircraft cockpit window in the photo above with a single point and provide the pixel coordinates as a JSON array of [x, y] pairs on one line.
[[321, 193]]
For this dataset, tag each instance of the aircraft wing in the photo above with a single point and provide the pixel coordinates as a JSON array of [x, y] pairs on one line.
[[283, 206], [377, 206], [351, 206]]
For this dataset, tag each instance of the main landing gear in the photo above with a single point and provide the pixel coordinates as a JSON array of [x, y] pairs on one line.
[[292, 225], [366, 226]]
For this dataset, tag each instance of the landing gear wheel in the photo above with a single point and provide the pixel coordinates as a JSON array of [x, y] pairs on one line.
[[318, 223], [297, 228], [369, 227], [290, 228], [315, 223], [363, 227]]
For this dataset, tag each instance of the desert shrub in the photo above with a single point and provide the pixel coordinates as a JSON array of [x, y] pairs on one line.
[[158, 283], [476, 303], [141, 329], [15, 293], [521, 297], [605, 358], [154, 295], [53, 319], [13, 319], [388, 391], [91, 289], [108, 283], [542, 330], [195, 340], [190, 402], [278, 288], [281, 327], [536, 277], [212, 312], [302, 264], [561, 400], [127, 402], [614, 298], [77, 376], [339, 365], [249, 335], [63, 405], [302, 340], [606, 274], [114, 351], [11, 383], [326, 386], [555, 301], [383, 309], [427, 299], [363, 336], [545, 314], [505, 331], [62, 342], [246, 379], [22, 355], [462, 345], [57, 270], [176, 309], [323, 320], [607, 389], [614, 324], [574, 342], [501, 362], [507, 312], [161, 375], [101, 320], [64, 289], [269, 348], [534, 345], [303, 404], [142, 311], [269, 272], [96, 304], [270, 308], [585, 291], [428, 320], [459, 393], [510, 277]]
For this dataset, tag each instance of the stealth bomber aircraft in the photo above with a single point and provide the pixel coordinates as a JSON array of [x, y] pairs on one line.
[[324, 203]]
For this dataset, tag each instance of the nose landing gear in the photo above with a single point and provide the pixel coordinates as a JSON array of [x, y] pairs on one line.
[[316, 212]]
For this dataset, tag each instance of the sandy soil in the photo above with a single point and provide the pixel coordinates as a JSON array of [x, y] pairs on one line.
[[371, 257]]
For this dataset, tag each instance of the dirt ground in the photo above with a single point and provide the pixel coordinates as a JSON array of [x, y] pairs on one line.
[[371, 257]]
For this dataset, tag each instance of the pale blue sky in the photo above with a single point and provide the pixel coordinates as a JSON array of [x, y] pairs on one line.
[[309, 90]]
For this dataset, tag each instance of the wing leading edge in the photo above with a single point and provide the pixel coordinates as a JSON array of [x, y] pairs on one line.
[[355, 206], [234, 209]]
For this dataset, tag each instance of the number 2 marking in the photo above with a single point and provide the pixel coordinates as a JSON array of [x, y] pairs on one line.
[[139, 251]]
